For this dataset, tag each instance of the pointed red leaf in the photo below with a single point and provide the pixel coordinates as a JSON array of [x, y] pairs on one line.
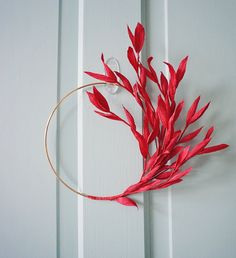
[[164, 175], [175, 151], [100, 98], [132, 59], [126, 201], [125, 82], [148, 186], [178, 110], [101, 77], [209, 132], [182, 156], [191, 135], [169, 183], [109, 115], [214, 148], [198, 114], [131, 36], [181, 70], [130, 119], [139, 35], [108, 70], [172, 81], [181, 174], [173, 140], [94, 101], [143, 146], [136, 95], [161, 111], [164, 84], [192, 110], [155, 132], [143, 76], [151, 73], [145, 127], [198, 148]]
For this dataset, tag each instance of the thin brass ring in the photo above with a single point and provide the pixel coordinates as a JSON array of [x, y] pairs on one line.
[[55, 109]]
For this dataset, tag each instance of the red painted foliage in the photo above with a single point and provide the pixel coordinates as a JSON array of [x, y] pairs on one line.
[[163, 167]]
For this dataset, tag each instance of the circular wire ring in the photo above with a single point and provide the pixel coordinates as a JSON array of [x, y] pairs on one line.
[[54, 170]]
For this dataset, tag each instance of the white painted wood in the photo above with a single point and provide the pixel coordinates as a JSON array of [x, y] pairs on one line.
[[158, 219], [109, 158], [203, 207], [28, 81], [67, 217]]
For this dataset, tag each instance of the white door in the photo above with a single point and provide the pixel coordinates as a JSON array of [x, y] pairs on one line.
[[45, 47], [195, 218]]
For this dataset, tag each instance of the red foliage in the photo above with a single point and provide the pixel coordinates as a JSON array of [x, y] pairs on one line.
[[174, 148]]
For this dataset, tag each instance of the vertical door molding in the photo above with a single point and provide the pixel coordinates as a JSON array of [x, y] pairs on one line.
[[108, 156]]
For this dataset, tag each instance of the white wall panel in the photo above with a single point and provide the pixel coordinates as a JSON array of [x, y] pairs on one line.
[[67, 129], [111, 159], [28, 82], [196, 219]]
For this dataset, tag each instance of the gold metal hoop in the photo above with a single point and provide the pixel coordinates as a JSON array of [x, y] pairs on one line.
[[48, 156]]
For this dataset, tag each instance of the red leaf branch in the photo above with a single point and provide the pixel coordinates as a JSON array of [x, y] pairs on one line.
[[174, 148]]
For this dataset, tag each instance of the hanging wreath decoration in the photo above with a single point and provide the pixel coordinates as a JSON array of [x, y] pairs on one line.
[[173, 148]]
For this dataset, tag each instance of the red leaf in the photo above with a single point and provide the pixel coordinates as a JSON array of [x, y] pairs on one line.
[[173, 141], [101, 77], [142, 76], [182, 156], [178, 110], [142, 142], [192, 110], [145, 96], [94, 101], [136, 95], [101, 100], [164, 84], [181, 174], [109, 115], [143, 146], [126, 201], [181, 70], [108, 70], [130, 119], [198, 148], [155, 132], [98, 104], [191, 135], [172, 81], [145, 127], [164, 175], [169, 183], [132, 59], [175, 151], [125, 82], [139, 35], [198, 114], [161, 110], [148, 186], [151, 73], [209, 132], [169, 132], [131, 36], [214, 148]]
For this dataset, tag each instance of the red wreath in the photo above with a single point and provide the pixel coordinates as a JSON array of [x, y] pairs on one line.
[[174, 147]]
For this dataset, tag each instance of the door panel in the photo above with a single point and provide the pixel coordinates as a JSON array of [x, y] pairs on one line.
[[204, 206], [109, 158], [199, 213], [28, 81]]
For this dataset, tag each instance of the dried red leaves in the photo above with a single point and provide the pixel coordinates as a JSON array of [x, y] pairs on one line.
[[174, 148]]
